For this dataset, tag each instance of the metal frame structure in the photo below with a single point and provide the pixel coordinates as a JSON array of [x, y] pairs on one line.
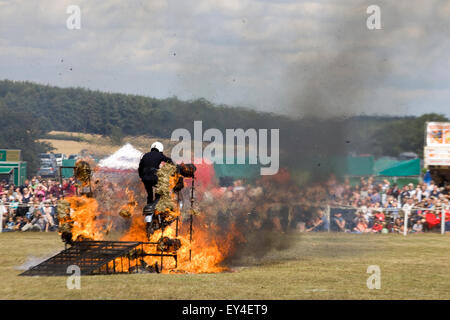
[[99, 257]]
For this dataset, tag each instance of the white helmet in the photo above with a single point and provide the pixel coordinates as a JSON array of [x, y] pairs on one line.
[[157, 145]]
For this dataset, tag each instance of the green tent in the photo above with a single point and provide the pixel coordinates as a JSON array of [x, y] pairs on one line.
[[403, 169], [237, 171], [67, 172], [16, 169], [360, 166], [6, 170], [384, 163]]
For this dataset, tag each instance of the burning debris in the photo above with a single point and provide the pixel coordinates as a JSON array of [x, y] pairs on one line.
[[167, 244], [65, 222], [127, 209], [83, 172]]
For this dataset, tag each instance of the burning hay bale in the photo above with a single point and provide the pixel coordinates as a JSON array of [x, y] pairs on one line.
[[167, 244], [125, 213], [65, 222], [186, 170], [163, 187], [83, 172], [63, 209]]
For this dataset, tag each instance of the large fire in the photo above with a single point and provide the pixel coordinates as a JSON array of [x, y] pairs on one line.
[[98, 218]]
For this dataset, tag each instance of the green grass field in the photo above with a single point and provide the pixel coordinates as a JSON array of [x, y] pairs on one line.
[[316, 266]]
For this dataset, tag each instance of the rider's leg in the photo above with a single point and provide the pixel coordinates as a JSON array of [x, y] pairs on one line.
[[149, 188]]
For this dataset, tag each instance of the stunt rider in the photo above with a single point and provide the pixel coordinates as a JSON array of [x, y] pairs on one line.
[[148, 166]]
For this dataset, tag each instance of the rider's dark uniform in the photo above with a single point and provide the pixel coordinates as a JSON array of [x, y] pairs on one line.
[[148, 167]]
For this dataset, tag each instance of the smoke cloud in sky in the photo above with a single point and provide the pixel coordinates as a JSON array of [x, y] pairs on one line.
[[292, 57]]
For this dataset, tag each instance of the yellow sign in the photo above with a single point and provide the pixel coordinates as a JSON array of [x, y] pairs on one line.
[[13, 155], [10, 155]]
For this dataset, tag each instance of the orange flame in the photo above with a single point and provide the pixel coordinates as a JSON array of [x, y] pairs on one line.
[[86, 224]]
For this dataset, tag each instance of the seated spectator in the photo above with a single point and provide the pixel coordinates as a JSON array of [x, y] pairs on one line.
[[408, 205], [418, 193], [47, 214], [435, 192], [40, 192], [338, 223], [375, 197], [54, 189], [361, 226], [31, 209], [447, 220], [38, 223], [325, 223], [398, 225], [380, 216], [417, 227], [28, 226], [404, 195], [431, 220], [358, 215], [377, 226], [416, 216], [3, 208], [446, 191], [13, 203], [314, 225], [18, 195], [20, 222], [9, 225], [69, 187], [26, 195]]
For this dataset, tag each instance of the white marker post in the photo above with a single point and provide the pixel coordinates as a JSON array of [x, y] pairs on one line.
[[3, 210], [443, 220], [405, 222], [328, 217]]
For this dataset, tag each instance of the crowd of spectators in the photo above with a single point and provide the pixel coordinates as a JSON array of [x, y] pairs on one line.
[[32, 206], [369, 206], [273, 202], [372, 206]]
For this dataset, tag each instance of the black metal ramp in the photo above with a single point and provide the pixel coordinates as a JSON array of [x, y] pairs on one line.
[[89, 256]]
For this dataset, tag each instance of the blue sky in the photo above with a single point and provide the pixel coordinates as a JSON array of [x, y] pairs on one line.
[[291, 57]]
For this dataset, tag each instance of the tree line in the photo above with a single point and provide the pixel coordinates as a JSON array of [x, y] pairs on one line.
[[28, 111]]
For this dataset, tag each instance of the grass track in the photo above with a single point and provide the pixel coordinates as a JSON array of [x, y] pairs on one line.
[[316, 266]]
